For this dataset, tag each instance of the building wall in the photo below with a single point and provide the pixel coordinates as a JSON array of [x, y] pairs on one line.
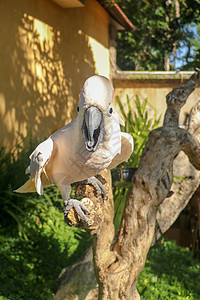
[[46, 54], [154, 88]]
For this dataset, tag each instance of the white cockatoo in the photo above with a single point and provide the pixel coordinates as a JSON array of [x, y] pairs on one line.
[[81, 149]]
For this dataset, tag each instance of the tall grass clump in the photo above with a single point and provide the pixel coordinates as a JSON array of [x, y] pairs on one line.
[[139, 125]]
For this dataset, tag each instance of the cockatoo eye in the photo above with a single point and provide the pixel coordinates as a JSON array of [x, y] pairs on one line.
[[110, 110]]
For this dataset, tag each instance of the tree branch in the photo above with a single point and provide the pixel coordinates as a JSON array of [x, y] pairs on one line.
[[188, 181], [177, 98], [118, 266]]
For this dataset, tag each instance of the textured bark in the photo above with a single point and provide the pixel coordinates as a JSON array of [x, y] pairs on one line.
[[186, 181], [119, 263]]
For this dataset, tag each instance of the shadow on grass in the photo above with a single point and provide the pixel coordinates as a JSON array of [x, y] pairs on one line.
[[30, 268]]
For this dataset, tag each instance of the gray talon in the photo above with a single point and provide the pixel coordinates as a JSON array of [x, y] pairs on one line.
[[79, 208], [96, 183]]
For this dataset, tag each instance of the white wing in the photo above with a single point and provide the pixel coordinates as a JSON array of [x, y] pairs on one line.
[[39, 158], [127, 145], [114, 144], [121, 121]]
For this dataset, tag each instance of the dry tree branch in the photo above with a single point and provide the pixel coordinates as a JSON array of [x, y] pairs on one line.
[[119, 264]]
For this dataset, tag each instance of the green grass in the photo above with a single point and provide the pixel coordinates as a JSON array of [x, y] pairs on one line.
[[170, 273], [29, 267]]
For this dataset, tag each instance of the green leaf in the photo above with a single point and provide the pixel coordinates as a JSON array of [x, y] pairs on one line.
[[121, 107]]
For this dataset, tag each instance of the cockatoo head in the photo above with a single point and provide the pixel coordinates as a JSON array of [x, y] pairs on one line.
[[95, 110]]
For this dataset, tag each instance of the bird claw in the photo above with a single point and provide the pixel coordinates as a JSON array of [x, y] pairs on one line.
[[96, 183], [79, 208]]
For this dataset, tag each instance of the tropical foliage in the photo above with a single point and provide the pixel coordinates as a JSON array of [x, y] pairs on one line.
[[166, 35], [138, 124]]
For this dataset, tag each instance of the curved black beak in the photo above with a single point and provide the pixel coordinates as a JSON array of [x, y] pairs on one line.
[[93, 128]]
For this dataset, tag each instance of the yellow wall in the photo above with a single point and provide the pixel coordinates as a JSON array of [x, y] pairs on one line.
[[46, 53], [155, 91]]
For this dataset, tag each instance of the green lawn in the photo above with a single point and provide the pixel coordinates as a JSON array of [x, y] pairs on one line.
[[170, 273]]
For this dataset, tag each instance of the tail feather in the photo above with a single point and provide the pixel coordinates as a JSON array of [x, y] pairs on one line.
[[28, 187]]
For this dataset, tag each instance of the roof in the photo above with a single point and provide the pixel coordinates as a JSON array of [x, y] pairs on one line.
[[117, 14], [110, 6], [70, 3]]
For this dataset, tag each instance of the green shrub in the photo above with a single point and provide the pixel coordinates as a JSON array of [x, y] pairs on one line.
[[13, 164], [29, 269], [139, 125], [170, 273], [35, 242]]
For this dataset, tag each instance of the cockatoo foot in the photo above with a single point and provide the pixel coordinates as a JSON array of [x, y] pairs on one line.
[[79, 208], [96, 183]]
